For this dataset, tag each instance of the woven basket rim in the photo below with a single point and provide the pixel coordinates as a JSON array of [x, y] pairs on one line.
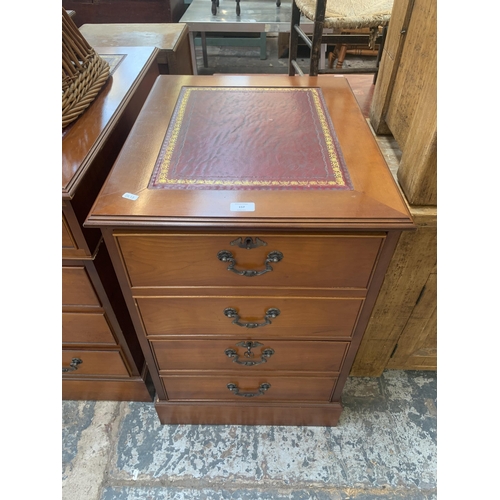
[[84, 72]]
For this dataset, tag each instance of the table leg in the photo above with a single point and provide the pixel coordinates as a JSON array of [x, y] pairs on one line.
[[192, 48], [263, 46], [204, 49], [322, 56]]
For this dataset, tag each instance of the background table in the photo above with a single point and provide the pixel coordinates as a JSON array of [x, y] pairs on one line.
[[257, 16], [170, 38]]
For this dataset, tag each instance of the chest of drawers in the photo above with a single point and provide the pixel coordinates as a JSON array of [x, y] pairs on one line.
[[253, 316], [101, 356]]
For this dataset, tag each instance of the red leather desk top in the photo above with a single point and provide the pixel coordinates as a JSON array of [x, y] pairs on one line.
[[250, 138]]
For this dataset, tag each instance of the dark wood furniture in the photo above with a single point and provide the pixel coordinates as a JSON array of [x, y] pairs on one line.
[[102, 358], [223, 347], [126, 11], [171, 39]]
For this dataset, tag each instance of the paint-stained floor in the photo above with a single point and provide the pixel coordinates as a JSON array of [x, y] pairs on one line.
[[383, 447]]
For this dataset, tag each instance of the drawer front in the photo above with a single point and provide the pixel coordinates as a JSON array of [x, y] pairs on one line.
[[249, 356], [77, 289], [93, 363], [323, 261], [86, 327], [249, 388], [320, 317]]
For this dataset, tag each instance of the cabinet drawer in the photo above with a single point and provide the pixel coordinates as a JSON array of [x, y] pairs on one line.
[[322, 261], [299, 356], [77, 288], [86, 328], [319, 317], [93, 363], [249, 388]]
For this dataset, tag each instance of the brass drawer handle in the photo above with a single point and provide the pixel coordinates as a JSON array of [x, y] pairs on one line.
[[233, 313], [73, 365], [227, 256], [266, 353], [236, 390]]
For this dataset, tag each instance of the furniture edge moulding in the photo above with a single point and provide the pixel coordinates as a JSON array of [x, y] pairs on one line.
[[413, 263]]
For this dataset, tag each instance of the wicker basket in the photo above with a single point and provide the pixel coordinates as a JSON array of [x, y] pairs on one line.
[[83, 72]]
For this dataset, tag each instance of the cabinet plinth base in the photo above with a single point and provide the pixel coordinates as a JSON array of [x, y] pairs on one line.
[[223, 413]]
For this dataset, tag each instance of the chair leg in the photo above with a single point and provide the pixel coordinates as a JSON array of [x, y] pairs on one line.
[[342, 54], [294, 39], [319, 18], [331, 58]]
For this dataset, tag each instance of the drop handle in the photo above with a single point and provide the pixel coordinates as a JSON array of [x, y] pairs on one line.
[[272, 258], [236, 390], [232, 313], [265, 355], [73, 365]]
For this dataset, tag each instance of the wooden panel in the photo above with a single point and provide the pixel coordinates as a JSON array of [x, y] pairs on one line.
[[412, 115], [86, 328], [191, 260], [300, 356], [414, 259], [282, 389], [416, 72], [417, 172], [94, 363], [305, 316], [405, 97], [417, 345], [77, 288], [67, 238], [389, 64]]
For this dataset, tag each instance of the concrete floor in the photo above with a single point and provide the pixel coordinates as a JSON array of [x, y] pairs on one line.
[[241, 60], [383, 448]]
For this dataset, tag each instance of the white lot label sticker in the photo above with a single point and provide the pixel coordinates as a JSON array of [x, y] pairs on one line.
[[130, 196], [243, 207]]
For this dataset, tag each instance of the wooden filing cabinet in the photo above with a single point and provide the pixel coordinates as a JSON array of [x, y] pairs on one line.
[[250, 304], [101, 356]]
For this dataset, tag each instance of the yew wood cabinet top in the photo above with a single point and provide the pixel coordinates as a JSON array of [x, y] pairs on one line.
[[181, 162], [85, 142]]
